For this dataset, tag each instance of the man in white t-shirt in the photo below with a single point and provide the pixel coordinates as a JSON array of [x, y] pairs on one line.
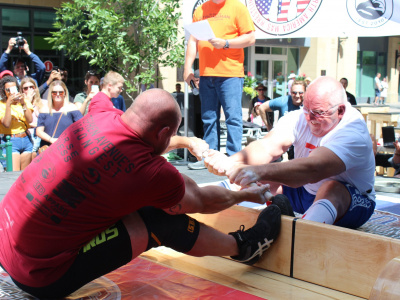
[[378, 88], [331, 178]]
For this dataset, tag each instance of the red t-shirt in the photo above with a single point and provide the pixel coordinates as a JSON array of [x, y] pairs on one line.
[[98, 171]]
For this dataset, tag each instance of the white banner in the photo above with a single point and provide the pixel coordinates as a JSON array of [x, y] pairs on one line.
[[317, 18]]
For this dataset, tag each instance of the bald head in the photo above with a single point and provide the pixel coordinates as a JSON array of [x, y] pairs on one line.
[[324, 105], [152, 112], [326, 89]]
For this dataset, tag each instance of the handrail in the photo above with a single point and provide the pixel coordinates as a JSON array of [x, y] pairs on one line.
[[8, 158]]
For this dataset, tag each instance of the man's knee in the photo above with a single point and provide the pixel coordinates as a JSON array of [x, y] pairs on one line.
[[337, 194], [178, 232]]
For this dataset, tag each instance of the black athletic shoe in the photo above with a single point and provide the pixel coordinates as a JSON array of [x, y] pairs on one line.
[[283, 203], [253, 242]]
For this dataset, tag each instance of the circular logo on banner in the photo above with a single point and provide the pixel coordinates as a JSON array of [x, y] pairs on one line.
[[282, 17], [49, 65], [370, 13]]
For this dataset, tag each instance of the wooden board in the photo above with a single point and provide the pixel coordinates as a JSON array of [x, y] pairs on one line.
[[340, 258], [343, 259], [251, 280]]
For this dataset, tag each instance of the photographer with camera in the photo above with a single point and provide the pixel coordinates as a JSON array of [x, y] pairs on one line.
[[20, 66], [56, 74]]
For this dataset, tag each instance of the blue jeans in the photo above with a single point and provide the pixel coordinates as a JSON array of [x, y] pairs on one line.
[[226, 92]]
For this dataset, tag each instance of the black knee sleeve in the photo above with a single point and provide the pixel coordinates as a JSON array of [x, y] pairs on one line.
[[178, 232]]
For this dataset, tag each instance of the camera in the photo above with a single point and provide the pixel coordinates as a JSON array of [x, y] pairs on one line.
[[56, 69], [19, 41]]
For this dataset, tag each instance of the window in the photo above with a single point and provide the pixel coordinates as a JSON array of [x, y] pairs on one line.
[[368, 64], [15, 19]]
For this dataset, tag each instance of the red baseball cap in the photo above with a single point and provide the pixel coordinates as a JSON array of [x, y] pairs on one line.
[[6, 73]]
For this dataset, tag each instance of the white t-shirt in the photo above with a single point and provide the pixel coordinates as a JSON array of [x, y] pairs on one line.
[[349, 140], [385, 87], [377, 84]]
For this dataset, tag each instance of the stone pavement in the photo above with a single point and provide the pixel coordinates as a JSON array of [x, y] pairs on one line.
[[6, 181]]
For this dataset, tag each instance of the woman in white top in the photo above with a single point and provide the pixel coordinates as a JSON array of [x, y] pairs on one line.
[[385, 87]]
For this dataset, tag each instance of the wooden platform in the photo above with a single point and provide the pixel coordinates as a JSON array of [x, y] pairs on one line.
[[340, 259], [256, 281]]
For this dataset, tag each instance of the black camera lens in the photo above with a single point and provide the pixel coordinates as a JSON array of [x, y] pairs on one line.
[[19, 41]]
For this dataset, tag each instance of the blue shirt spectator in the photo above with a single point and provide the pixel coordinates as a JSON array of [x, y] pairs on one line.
[[285, 104], [119, 103]]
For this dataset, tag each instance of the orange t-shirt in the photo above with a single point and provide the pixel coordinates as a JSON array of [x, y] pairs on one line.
[[228, 20]]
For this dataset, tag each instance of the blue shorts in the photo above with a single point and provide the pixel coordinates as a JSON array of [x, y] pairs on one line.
[[377, 92], [19, 144], [359, 212]]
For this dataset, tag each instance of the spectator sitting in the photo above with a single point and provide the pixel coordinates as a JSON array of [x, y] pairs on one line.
[[92, 82], [58, 114], [31, 92], [284, 104], [20, 67], [15, 116], [260, 98]]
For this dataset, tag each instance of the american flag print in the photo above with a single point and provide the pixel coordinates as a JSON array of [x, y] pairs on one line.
[[280, 11]]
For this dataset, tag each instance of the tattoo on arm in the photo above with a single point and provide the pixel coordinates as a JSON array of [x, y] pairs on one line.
[[176, 209]]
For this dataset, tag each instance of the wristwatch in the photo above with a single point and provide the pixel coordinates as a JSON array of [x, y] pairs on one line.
[[226, 44]]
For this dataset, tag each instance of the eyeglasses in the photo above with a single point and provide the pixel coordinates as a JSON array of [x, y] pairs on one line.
[[55, 93], [93, 73], [295, 93], [319, 113], [28, 87]]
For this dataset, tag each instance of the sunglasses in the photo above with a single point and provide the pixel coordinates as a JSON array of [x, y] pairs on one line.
[[93, 73], [55, 93], [295, 93], [260, 90], [28, 87]]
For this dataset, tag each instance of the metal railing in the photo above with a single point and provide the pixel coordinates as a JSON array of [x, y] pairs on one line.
[[8, 157]]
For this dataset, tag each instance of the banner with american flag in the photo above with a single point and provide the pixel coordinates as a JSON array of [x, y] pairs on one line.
[[317, 18], [282, 10]]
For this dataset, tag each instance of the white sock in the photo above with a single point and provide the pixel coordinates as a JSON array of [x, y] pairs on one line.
[[321, 211]]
